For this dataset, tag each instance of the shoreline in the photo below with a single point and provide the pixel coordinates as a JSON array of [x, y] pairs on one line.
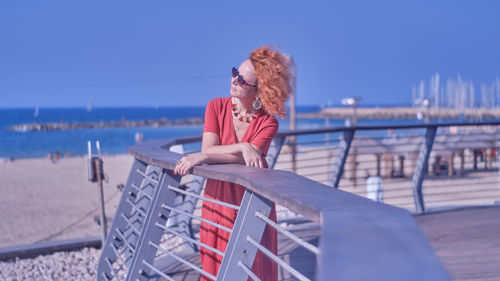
[[72, 156]]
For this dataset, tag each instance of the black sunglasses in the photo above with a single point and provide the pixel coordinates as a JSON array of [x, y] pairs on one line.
[[241, 81]]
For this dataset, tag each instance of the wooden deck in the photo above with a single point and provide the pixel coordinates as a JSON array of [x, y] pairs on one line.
[[467, 241], [299, 258]]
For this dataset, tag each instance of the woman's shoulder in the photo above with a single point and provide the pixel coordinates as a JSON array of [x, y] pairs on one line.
[[219, 102], [268, 119]]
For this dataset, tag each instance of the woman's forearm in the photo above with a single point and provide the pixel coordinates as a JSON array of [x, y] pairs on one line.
[[223, 158], [239, 153], [234, 149]]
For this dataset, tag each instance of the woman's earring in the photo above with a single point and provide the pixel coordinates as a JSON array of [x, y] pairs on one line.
[[256, 104]]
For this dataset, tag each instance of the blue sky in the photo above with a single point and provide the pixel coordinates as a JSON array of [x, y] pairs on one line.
[[170, 53]]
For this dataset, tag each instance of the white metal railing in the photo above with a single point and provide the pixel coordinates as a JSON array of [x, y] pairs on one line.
[[276, 259], [154, 196], [287, 233]]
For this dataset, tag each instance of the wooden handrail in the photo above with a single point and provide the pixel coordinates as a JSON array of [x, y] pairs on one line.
[[360, 239]]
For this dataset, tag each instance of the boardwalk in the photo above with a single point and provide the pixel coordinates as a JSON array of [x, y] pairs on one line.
[[302, 260], [360, 239], [467, 241]]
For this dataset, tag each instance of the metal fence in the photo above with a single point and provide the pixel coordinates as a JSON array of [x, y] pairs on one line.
[[155, 234], [421, 168]]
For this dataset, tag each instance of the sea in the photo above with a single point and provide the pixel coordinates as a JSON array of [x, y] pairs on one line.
[[36, 144]]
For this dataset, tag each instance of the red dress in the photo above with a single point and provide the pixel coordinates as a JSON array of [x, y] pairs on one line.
[[260, 132]]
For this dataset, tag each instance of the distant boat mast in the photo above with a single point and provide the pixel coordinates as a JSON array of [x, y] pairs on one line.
[[37, 109], [89, 106]]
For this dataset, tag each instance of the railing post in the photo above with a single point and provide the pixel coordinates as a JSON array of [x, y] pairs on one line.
[[180, 222], [274, 151], [185, 203], [142, 204], [246, 225], [339, 162], [118, 224], [421, 169], [151, 232]]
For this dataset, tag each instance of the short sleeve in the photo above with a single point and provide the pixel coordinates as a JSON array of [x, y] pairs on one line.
[[265, 135], [211, 123]]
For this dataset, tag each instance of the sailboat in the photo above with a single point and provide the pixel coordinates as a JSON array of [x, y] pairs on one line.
[[37, 109], [89, 106]]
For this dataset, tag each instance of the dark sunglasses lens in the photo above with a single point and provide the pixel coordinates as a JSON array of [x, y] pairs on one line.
[[240, 79]]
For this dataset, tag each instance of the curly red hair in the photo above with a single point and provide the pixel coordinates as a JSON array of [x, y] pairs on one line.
[[275, 73]]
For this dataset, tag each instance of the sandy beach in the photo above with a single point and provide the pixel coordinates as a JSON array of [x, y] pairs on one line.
[[45, 201]]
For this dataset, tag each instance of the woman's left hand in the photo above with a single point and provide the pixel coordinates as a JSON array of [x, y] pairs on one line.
[[187, 162], [251, 155]]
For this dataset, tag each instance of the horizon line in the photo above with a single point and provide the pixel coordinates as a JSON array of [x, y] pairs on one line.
[[187, 106]]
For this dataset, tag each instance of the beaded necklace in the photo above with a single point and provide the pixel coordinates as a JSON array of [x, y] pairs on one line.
[[237, 114]]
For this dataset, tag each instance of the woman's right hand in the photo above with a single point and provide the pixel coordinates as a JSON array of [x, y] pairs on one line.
[[187, 162], [252, 155]]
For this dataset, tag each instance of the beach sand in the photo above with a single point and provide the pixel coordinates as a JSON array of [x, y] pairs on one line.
[[45, 201], [39, 199]]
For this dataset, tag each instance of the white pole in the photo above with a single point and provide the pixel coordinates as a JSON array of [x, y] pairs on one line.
[[89, 148], [98, 149]]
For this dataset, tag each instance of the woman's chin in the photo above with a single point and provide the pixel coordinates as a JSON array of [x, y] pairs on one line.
[[234, 93]]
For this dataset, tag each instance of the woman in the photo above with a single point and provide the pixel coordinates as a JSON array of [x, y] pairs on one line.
[[239, 129]]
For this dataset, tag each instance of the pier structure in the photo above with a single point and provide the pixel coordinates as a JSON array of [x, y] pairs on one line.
[[406, 113], [329, 228]]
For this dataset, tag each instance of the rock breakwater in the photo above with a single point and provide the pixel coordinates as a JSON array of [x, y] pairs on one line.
[[104, 124]]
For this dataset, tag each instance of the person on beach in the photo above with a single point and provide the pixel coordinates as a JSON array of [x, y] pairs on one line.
[[239, 129]]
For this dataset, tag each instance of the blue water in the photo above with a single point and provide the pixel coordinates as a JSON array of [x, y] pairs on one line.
[[116, 140], [112, 140]]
